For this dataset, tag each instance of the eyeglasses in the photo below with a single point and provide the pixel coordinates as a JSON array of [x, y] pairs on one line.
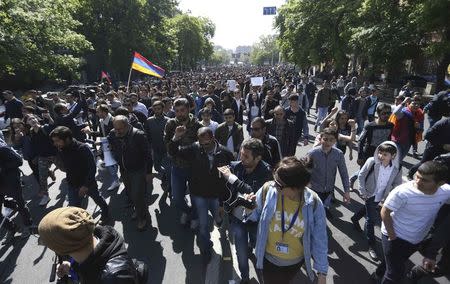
[[386, 113], [255, 128]]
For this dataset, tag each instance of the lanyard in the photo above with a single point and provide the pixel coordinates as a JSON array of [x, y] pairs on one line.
[[294, 218]]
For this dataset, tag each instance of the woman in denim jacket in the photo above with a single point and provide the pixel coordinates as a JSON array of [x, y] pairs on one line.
[[281, 252]]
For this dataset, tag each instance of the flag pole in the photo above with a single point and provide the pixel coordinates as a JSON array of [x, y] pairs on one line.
[[129, 77]]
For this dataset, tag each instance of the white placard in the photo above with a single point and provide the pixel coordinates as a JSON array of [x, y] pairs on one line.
[[257, 81], [231, 85], [107, 155]]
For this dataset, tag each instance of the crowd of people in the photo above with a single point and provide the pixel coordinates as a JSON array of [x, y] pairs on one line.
[[189, 130]]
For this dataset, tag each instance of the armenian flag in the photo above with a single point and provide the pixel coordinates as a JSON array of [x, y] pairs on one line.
[[141, 64], [104, 75]]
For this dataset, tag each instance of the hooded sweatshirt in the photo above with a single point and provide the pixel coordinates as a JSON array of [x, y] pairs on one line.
[[109, 262], [368, 176]]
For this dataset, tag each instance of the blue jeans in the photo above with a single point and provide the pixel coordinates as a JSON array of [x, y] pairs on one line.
[[360, 124], [372, 216], [243, 233], [404, 149], [179, 178], [112, 170], [203, 205], [322, 113], [75, 199]]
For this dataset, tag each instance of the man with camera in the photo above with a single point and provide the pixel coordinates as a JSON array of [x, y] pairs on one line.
[[244, 177], [98, 252], [205, 184]]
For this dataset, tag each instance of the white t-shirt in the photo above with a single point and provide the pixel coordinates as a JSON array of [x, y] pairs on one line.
[[230, 144], [413, 212]]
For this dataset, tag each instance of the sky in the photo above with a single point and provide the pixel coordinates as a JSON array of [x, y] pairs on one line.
[[238, 22]]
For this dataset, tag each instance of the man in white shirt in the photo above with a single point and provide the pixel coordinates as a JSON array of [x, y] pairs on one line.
[[408, 214], [138, 106]]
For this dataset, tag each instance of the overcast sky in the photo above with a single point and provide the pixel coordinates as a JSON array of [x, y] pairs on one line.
[[238, 22]]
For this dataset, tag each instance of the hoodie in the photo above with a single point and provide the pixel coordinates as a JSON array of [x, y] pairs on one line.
[[368, 175], [109, 262]]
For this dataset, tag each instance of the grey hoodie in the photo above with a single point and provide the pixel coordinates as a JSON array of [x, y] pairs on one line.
[[367, 184]]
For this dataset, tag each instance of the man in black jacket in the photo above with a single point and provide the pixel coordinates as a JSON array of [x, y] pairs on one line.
[[13, 106], [131, 150], [79, 164], [205, 183], [99, 251], [272, 149], [245, 176], [283, 130], [10, 186]]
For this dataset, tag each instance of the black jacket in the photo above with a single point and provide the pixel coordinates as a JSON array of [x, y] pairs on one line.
[[68, 121], [109, 263], [204, 180], [79, 164], [131, 152], [10, 161], [288, 142], [272, 151]]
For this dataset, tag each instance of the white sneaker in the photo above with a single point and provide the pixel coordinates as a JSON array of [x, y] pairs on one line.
[[183, 219], [44, 200], [113, 186], [194, 224]]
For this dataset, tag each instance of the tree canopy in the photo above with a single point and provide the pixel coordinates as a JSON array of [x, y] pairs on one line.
[[265, 51], [380, 33], [67, 40]]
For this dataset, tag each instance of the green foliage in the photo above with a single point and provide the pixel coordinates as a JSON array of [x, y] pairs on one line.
[[220, 56], [265, 50], [192, 39], [382, 33], [38, 40]]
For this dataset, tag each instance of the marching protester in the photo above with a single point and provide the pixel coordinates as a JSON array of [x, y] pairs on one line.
[[245, 176], [130, 149], [230, 133], [205, 184], [180, 166], [283, 130], [78, 162], [272, 150], [292, 225]]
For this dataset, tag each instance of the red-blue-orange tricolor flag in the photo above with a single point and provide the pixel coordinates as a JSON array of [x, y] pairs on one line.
[[141, 64]]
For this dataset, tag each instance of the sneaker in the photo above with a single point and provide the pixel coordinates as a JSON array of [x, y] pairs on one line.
[[44, 200], [373, 254], [356, 225], [183, 219], [113, 186], [194, 224]]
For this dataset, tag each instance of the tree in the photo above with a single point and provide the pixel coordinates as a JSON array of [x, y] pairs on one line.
[[117, 28], [193, 39], [265, 50], [313, 32], [38, 41], [220, 56]]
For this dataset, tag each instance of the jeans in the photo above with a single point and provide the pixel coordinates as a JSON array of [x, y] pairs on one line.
[[273, 274], [112, 170], [244, 237], [179, 178], [396, 253], [372, 216], [136, 186], [75, 199], [202, 206], [360, 124], [404, 149], [323, 111], [44, 164]]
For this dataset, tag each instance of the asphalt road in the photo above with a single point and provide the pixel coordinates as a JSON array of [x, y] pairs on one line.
[[171, 250]]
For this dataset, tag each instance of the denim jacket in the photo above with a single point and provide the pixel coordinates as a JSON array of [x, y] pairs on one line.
[[315, 239]]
